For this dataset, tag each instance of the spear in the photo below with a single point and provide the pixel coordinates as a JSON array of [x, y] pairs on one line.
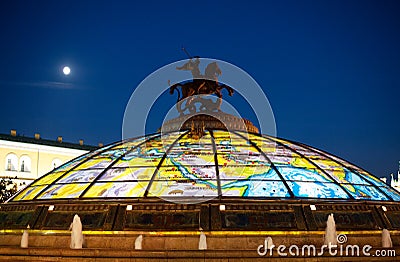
[[186, 52]]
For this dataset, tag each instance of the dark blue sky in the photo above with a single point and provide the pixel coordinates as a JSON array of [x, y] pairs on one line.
[[330, 69]]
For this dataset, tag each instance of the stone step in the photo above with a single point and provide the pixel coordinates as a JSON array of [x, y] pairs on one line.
[[88, 254]]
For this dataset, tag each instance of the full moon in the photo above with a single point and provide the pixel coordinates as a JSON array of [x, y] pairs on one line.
[[66, 70]]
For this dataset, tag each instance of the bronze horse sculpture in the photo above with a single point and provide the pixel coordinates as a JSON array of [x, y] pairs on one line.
[[206, 84]]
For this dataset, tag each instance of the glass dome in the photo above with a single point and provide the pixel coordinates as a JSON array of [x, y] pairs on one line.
[[219, 164]]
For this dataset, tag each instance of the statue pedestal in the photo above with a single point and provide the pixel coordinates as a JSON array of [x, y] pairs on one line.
[[209, 120]]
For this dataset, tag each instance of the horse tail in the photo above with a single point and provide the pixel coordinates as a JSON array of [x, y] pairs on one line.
[[231, 91], [179, 95], [173, 88]]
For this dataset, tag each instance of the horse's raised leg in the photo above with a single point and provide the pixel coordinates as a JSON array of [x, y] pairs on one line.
[[179, 107], [219, 102], [200, 87]]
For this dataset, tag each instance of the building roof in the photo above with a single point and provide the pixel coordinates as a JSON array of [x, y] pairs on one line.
[[217, 164], [40, 141]]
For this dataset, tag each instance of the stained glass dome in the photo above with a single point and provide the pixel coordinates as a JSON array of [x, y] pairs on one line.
[[219, 164]]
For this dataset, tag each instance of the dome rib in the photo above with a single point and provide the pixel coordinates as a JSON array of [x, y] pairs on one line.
[[146, 192], [272, 164], [320, 152], [314, 164], [216, 163]]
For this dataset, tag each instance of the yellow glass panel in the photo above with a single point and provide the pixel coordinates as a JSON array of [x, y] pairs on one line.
[[98, 162], [111, 190], [129, 173], [64, 191], [247, 172], [197, 188], [29, 193], [238, 155], [48, 179]]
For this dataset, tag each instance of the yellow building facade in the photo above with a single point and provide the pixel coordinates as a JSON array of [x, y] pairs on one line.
[[24, 159]]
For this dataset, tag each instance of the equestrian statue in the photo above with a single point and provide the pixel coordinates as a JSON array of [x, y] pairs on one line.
[[206, 84]]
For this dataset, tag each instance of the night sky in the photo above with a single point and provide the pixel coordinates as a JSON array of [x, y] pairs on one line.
[[330, 69]]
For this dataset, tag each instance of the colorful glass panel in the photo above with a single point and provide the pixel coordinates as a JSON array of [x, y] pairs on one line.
[[177, 165]]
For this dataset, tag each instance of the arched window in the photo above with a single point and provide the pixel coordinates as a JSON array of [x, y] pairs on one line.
[[11, 162], [56, 163], [25, 163]]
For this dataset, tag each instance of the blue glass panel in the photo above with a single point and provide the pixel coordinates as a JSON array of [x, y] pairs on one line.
[[317, 190], [391, 192], [255, 188], [364, 192], [353, 178], [293, 173], [373, 180], [112, 153]]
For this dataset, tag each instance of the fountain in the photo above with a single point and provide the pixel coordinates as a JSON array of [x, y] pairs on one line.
[[25, 238], [330, 237], [76, 233], [268, 243], [202, 241], [386, 240], [138, 242]]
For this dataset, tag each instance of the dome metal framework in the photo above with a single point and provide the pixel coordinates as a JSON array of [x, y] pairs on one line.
[[225, 183], [219, 164]]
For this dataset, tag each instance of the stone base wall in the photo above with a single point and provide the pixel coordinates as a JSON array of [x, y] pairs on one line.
[[175, 241], [71, 255], [234, 229]]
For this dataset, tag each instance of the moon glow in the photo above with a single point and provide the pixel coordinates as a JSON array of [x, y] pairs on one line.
[[66, 70]]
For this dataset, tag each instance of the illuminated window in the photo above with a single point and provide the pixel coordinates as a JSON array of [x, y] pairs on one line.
[[11, 162], [25, 164]]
